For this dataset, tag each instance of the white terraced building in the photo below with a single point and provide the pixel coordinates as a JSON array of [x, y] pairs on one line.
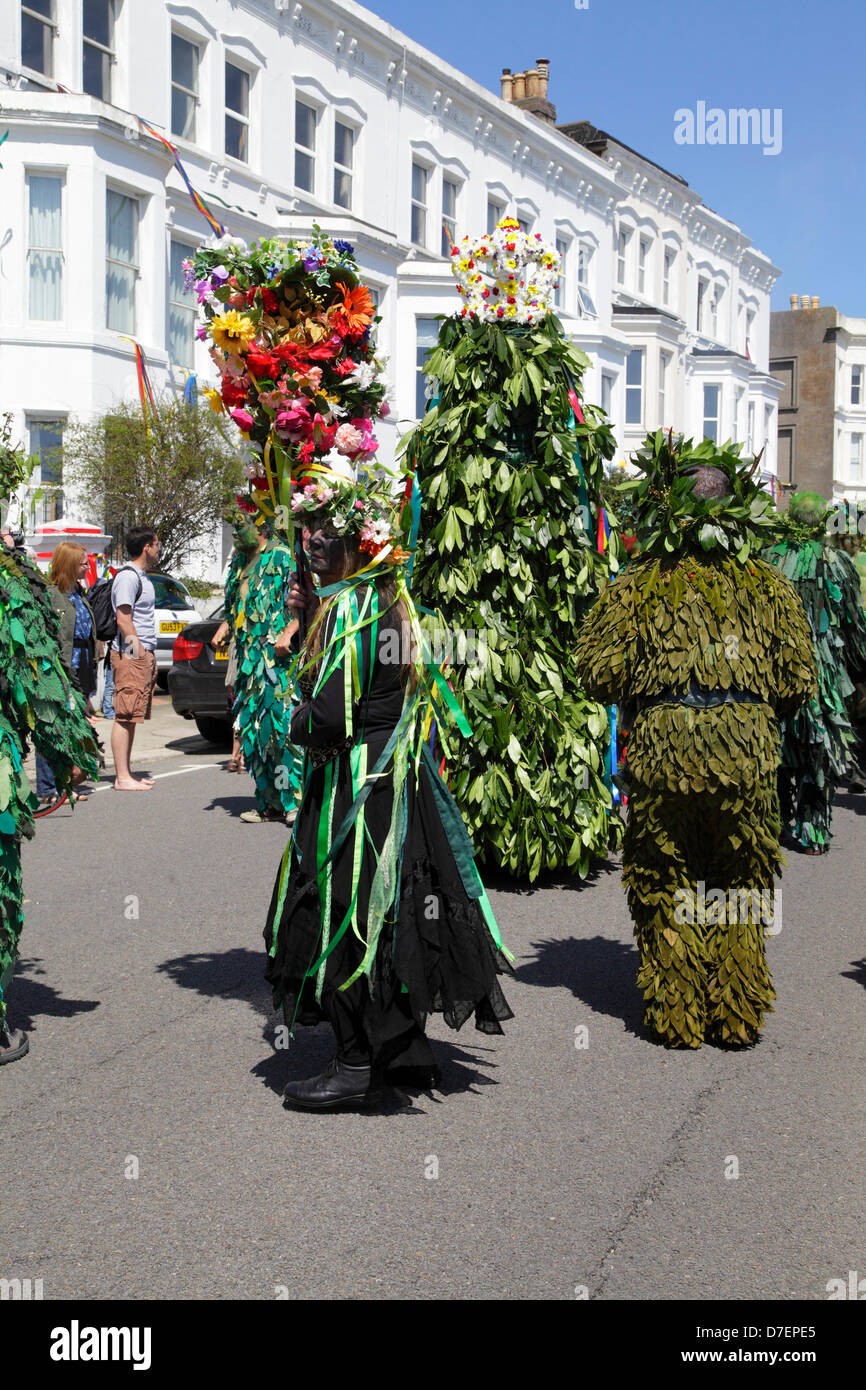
[[286, 112]]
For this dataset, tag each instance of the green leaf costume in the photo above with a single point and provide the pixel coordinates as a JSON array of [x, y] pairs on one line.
[[256, 613], [818, 741], [511, 495], [705, 651], [38, 702]]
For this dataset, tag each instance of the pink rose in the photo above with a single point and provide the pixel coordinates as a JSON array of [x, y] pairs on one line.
[[242, 418], [294, 421]]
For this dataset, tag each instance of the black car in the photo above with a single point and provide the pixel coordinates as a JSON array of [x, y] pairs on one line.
[[197, 680]]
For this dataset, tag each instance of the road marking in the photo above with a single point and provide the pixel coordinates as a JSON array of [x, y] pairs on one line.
[[178, 772]]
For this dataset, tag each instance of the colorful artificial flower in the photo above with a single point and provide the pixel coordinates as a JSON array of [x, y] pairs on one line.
[[233, 332], [242, 418]]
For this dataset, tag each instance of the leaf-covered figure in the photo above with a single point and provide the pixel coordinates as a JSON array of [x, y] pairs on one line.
[[255, 605], [818, 742], [509, 558], [38, 704], [706, 647]]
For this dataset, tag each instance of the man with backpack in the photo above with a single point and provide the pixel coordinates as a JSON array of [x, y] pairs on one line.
[[133, 651]]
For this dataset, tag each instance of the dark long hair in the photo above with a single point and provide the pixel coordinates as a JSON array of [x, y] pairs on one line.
[[386, 585]]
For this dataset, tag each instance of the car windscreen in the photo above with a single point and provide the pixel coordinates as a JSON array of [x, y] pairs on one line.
[[169, 594]]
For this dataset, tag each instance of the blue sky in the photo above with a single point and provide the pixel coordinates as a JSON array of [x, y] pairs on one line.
[[628, 65]]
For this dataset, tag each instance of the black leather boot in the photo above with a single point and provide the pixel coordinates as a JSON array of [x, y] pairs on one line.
[[337, 1086]]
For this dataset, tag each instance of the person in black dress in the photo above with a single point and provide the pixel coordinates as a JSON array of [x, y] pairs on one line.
[[378, 890]]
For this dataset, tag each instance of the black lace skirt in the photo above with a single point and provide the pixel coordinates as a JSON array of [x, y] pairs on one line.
[[435, 953]]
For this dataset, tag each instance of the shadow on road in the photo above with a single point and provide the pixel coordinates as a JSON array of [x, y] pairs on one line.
[[601, 973], [239, 972], [32, 1000], [852, 802], [858, 973], [503, 882]]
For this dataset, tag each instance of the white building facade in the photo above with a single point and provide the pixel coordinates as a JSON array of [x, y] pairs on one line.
[[289, 112]]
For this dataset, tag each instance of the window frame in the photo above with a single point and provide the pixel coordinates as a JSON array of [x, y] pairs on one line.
[[305, 151], [644, 247], [420, 375], [585, 301], [415, 203], [717, 387], [42, 417], [449, 219], [230, 114], [623, 242], [338, 169], [134, 265], [563, 246], [60, 176], [669, 260], [638, 386], [185, 307], [856, 472], [856, 386], [666, 357], [610, 379], [108, 52], [47, 22], [500, 213], [196, 46]]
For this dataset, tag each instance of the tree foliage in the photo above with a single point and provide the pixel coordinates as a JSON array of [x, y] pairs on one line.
[[180, 479], [508, 555]]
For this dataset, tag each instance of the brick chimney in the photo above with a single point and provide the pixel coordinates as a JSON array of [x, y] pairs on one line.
[[528, 90]]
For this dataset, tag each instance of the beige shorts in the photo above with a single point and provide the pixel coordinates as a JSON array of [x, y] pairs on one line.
[[134, 679]]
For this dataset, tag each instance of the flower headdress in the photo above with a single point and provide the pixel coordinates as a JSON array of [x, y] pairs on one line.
[[289, 326], [507, 274], [361, 509]]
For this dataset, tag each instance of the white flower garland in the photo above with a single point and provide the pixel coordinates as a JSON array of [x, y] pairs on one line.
[[506, 274]]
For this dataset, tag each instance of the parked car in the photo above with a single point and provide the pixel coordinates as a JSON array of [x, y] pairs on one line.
[[197, 680], [174, 610]]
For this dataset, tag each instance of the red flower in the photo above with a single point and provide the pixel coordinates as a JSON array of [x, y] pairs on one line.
[[231, 392], [245, 504], [270, 301], [289, 352], [322, 352], [263, 364], [345, 367]]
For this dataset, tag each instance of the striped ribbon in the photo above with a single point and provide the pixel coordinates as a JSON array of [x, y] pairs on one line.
[[215, 225], [145, 390]]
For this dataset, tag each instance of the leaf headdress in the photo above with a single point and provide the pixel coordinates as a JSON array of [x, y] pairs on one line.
[[672, 520]]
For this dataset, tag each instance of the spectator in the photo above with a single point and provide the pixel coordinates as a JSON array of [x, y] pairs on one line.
[[77, 637], [133, 652]]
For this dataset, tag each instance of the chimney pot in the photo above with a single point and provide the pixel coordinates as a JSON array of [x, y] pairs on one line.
[[519, 88], [507, 84], [532, 82], [815, 301], [795, 301], [804, 301]]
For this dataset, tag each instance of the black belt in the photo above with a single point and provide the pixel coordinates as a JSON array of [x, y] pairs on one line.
[[698, 697], [81, 641]]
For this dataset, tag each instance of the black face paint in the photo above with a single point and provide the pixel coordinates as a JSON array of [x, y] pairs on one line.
[[327, 553]]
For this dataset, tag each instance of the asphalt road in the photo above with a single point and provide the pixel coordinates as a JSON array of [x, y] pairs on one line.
[[604, 1168]]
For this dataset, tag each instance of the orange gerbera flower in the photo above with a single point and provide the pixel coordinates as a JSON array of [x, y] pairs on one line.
[[357, 307]]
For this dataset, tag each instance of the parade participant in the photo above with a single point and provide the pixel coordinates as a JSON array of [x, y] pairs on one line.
[[66, 574], [258, 619], [818, 742], [378, 910], [709, 647], [39, 702]]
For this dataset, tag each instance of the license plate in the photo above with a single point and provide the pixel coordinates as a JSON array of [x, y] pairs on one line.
[[172, 627], [220, 656]]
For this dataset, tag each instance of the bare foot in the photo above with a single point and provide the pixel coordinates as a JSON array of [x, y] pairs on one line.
[[132, 784]]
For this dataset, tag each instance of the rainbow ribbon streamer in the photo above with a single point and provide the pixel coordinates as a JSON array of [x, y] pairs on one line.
[[145, 390], [216, 226], [603, 530]]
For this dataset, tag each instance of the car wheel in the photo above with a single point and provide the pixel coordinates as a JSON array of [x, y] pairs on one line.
[[217, 731]]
